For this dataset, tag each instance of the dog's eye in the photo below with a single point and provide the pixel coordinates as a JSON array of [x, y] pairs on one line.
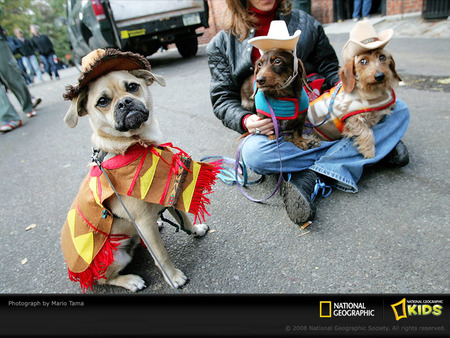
[[363, 62], [259, 65], [103, 102], [382, 57], [277, 61], [132, 87]]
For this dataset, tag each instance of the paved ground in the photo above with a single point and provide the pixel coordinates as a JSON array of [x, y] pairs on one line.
[[391, 237]]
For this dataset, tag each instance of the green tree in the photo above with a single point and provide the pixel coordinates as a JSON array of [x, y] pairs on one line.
[[46, 14]]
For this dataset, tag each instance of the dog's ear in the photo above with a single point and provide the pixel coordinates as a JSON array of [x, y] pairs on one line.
[[392, 68], [347, 76], [302, 74], [149, 77], [77, 108]]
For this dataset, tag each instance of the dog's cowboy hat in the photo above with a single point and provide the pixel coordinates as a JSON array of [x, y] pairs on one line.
[[102, 61], [363, 38], [277, 38]]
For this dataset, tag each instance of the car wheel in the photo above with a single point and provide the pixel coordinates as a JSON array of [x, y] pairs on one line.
[[187, 45]]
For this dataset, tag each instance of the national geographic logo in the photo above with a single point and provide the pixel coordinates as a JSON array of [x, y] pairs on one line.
[[330, 309], [409, 308]]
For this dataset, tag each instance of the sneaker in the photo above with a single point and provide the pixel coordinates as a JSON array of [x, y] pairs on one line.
[[397, 158], [8, 126], [299, 193], [355, 19], [31, 114], [36, 102]]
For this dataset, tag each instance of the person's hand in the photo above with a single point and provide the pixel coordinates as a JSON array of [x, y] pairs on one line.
[[256, 125]]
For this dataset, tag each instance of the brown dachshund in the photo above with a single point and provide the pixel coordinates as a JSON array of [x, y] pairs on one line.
[[276, 78], [370, 76]]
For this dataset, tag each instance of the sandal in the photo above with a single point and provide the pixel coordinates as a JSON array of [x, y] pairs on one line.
[[8, 126], [31, 114]]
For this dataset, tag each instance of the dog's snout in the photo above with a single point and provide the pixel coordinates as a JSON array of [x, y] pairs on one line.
[[379, 76], [261, 80], [126, 102]]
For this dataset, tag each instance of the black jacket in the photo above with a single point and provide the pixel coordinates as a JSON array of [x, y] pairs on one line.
[[230, 64], [42, 44]]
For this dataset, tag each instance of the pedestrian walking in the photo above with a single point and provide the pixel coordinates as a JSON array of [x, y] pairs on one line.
[[28, 55], [12, 78], [364, 5], [44, 46]]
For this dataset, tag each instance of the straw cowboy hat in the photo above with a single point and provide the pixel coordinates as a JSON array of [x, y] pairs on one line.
[[102, 61], [277, 38], [363, 38]]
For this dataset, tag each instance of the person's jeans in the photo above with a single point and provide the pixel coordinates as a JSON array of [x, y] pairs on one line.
[[339, 160], [366, 6], [49, 65], [32, 65]]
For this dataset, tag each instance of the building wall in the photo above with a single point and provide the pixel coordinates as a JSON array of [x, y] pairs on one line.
[[321, 10], [394, 7]]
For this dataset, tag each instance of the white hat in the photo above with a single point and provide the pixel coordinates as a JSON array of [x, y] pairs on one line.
[[363, 38], [277, 38]]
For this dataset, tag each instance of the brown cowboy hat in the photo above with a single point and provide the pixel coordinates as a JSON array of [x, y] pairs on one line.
[[102, 61], [363, 38]]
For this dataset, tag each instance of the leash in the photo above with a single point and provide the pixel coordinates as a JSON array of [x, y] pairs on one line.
[[98, 162], [227, 175], [238, 155], [330, 109]]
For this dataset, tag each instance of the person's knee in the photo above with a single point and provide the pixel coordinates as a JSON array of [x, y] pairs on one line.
[[251, 154]]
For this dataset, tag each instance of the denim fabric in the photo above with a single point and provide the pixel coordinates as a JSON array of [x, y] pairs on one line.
[[338, 160], [32, 65], [366, 6], [49, 64]]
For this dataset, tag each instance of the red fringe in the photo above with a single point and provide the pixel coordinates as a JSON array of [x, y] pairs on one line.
[[206, 179], [98, 266]]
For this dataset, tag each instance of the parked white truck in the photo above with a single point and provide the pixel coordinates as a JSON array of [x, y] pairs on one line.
[[141, 26]]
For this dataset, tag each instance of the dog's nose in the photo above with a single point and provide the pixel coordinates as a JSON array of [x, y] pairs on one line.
[[124, 103], [379, 77], [261, 80]]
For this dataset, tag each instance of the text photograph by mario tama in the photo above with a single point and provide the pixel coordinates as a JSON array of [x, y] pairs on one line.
[[229, 315]]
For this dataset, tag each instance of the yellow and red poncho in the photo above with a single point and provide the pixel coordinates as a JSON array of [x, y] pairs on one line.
[[153, 174]]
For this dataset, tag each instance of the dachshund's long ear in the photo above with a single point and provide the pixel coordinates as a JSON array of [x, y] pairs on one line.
[[347, 76], [254, 88], [302, 74], [392, 68], [77, 108]]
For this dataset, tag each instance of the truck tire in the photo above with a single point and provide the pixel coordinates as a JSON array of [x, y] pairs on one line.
[[187, 45]]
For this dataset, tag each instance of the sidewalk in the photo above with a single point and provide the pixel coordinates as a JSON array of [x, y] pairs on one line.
[[403, 26]]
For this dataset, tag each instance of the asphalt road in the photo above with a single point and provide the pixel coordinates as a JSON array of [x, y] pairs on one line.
[[391, 237]]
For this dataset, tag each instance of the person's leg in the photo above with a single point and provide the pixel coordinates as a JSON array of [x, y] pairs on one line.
[[9, 118], [46, 65], [12, 75], [35, 65], [356, 9], [366, 7], [52, 65], [343, 163]]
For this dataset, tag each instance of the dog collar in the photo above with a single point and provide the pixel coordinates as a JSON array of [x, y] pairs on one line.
[[285, 108]]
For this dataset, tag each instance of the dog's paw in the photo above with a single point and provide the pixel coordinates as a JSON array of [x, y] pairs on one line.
[[367, 152], [178, 279], [131, 282], [200, 230], [313, 143]]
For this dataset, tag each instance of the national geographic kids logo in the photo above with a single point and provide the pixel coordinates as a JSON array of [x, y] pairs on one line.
[[410, 308], [330, 309]]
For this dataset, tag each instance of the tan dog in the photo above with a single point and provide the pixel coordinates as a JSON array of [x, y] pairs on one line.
[[367, 79], [369, 76], [119, 106]]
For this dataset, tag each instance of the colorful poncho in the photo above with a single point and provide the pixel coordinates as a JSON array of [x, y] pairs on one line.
[[344, 106], [153, 174]]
